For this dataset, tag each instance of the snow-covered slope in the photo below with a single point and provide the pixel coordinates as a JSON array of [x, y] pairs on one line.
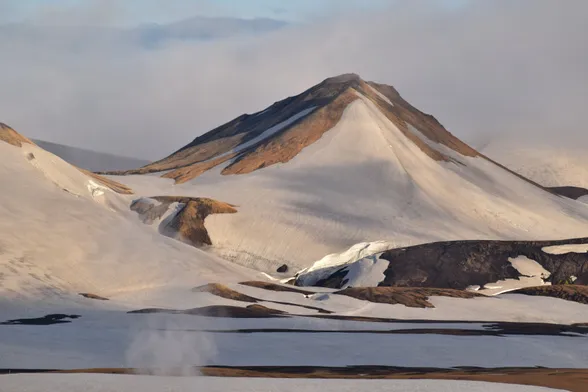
[[381, 172], [64, 232]]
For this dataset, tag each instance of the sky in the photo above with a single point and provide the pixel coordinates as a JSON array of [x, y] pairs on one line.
[[485, 69], [134, 12]]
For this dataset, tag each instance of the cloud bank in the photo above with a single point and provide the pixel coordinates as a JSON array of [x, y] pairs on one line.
[[506, 67]]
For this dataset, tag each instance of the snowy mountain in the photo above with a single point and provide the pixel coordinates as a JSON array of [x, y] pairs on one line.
[[122, 274], [349, 161]]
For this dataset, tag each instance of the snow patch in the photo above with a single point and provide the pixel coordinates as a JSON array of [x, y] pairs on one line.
[[563, 249], [532, 274], [367, 267], [266, 134], [367, 272], [96, 190]]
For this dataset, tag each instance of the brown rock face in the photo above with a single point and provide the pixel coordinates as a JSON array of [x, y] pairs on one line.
[[289, 143], [188, 224], [10, 136]]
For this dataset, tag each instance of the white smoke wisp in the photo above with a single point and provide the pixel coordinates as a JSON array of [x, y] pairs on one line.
[[163, 348]]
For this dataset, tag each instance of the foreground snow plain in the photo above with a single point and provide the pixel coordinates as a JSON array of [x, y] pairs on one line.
[[114, 383]]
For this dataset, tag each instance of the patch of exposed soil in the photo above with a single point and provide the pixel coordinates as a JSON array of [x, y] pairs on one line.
[[223, 291], [569, 292], [251, 311], [228, 293], [93, 296], [49, 319], [10, 136], [574, 380], [276, 287], [414, 297]]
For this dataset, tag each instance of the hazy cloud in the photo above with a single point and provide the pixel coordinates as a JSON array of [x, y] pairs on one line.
[[506, 66]]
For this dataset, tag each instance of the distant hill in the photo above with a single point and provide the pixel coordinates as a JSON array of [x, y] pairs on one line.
[[90, 160]]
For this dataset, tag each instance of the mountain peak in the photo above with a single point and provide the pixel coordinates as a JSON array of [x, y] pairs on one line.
[[280, 132], [343, 78]]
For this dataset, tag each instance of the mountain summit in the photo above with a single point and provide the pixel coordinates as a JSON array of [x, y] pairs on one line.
[[280, 132]]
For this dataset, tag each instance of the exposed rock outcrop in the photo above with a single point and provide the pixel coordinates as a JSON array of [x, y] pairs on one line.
[[460, 264], [187, 223]]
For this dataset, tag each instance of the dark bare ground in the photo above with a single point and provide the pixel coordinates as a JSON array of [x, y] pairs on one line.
[[251, 311], [228, 293], [276, 287], [93, 296], [414, 297], [569, 292], [49, 319]]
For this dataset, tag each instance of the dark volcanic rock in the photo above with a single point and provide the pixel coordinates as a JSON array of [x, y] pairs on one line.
[[45, 320], [283, 268], [572, 192], [459, 264]]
